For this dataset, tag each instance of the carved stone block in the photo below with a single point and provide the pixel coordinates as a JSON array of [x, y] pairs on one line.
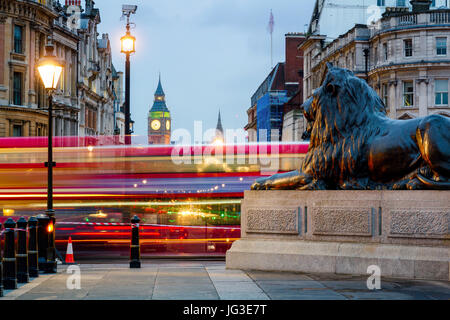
[[282, 221], [420, 223], [341, 221]]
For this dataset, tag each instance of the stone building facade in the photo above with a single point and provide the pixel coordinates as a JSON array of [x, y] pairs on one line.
[[85, 100], [333, 18], [404, 56], [97, 98], [24, 29]]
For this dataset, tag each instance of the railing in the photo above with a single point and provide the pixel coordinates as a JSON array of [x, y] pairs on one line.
[[407, 19], [440, 17], [411, 19]]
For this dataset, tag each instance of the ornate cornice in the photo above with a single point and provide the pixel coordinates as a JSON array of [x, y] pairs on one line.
[[22, 109], [393, 82], [420, 80], [29, 10]]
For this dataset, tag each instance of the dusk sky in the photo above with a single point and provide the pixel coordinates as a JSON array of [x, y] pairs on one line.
[[211, 54]]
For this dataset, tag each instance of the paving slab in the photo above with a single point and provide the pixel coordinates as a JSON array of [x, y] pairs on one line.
[[305, 294], [172, 280], [184, 284], [268, 275]]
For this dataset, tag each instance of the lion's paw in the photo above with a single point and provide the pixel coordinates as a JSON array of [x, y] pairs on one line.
[[315, 185], [414, 184], [402, 185], [262, 184]]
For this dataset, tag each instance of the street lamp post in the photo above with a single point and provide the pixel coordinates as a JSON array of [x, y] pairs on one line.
[[366, 60], [50, 70], [128, 46]]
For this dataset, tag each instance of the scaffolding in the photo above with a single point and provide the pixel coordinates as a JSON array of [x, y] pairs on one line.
[[269, 110]]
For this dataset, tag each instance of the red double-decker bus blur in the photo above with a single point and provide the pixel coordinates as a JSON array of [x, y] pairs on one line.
[[188, 197]]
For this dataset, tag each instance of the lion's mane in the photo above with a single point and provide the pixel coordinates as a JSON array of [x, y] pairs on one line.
[[344, 123]]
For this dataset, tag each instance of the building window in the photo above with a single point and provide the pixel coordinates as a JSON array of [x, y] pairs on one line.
[[17, 88], [17, 130], [401, 3], [381, 3], [385, 94], [441, 46], [408, 49], [408, 93], [18, 39], [433, 3], [375, 56], [441, 90], [385, 51]]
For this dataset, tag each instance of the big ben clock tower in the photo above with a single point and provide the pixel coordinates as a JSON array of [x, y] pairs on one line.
[[159, 121]]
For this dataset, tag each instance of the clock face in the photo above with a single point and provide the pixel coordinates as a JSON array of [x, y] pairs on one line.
[[168, 125], [156, 125]]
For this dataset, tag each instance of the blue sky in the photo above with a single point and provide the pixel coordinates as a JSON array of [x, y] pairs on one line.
[[211, 53]]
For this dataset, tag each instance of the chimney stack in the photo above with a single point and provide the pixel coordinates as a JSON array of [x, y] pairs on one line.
[[294, 58], [420, 5], [73, 3]]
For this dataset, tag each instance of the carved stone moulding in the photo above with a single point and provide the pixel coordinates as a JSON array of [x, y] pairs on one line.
[[432, 223], [281, 221], [342, 221]]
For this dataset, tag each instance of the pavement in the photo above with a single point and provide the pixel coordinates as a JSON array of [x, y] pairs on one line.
[[209, 280]]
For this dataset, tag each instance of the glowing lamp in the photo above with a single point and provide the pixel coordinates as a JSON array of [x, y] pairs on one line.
[[49, 67], [128, 43], [50, 228]]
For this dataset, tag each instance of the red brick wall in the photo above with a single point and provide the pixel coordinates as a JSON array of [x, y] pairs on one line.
[[294, 58]]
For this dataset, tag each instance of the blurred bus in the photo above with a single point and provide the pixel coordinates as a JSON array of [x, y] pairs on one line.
[[188, 197]]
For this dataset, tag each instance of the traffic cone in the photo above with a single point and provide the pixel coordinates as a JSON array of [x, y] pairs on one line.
[[69, 254]]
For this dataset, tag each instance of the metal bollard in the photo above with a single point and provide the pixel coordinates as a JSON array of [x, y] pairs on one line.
[[22, 254], [9, 260], [51, 266], [1, 266], [135, 252], [43, 221], [33, 267]]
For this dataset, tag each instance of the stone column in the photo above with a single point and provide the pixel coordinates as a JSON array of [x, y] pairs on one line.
[[26, 129], [393, 103], [422, 85], [3, 69], [32, 71], [2, 50]]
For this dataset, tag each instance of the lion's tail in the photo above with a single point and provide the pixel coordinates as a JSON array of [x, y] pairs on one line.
[[433, 184]]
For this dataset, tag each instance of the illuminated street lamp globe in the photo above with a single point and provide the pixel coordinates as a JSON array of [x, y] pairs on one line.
[[49, 67], [128, 43]]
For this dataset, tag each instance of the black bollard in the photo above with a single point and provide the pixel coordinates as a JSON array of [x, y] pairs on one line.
[[135, 252], [22, 254], [51, 249], [33, 267], [43, 221], [1, 265], [9, 260]]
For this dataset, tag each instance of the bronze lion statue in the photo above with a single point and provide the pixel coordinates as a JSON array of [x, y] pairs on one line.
[[354, 145]]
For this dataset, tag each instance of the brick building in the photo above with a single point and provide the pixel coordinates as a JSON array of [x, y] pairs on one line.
[[266, 113]]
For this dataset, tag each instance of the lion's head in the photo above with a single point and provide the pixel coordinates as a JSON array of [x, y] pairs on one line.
[[342, 115]]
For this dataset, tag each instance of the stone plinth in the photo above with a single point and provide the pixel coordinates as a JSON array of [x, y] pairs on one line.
[[405, 233]]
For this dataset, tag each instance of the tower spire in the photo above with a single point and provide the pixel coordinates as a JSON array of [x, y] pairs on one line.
[[219, 127], [159, 119], [159, 89]]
